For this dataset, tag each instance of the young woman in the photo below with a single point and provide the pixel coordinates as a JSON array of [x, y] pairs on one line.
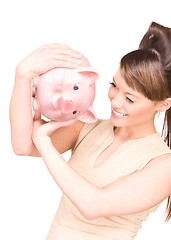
[[119, 170]]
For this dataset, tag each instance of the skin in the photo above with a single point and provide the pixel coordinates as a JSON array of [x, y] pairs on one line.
[[119, 197], [44, 139], [39, 61], [139, 110]]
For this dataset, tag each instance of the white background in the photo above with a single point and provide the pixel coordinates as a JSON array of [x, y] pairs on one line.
[[103, 31]]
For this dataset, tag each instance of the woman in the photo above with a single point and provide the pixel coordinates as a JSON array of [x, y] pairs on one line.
[[119, 171]]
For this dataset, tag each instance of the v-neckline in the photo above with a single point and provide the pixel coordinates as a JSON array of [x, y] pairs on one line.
[[110, 141]]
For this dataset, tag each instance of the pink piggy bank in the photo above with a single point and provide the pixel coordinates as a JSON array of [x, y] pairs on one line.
[[62, 94]]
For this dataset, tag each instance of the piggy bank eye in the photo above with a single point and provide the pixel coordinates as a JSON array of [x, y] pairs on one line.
[[76, 86], [75, 112]]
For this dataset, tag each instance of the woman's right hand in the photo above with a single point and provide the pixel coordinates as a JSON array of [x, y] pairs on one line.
[[46, 58]]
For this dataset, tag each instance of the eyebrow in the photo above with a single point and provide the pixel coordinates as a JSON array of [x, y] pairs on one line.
[[126, 92]]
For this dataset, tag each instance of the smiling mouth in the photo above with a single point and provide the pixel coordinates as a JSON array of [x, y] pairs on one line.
[[118, 114]]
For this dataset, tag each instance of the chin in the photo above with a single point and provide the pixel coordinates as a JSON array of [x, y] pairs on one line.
[[116, 123]]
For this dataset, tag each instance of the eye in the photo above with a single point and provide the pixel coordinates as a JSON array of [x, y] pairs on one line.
[[76, 86], [112, 83], [129, 100], [75, 112]]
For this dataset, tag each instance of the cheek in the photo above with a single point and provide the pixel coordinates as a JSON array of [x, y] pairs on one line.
[[142, 112]]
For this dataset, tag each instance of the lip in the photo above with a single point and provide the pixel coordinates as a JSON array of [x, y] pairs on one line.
[[118, 114]]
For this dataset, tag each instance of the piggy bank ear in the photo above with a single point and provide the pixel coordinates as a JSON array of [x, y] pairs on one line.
[[89, 116], [90, 73]]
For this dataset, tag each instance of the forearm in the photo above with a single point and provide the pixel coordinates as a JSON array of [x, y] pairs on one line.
[[115, 199], [41, 60], [81, 193], [21, 118]]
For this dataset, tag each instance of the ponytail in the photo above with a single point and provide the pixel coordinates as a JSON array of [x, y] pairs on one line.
[[166, 133], [158, 40]]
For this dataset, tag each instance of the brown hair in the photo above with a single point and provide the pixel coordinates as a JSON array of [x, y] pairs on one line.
[[148, 70]]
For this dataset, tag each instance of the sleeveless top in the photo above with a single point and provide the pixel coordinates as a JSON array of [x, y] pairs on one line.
[[131, 156]]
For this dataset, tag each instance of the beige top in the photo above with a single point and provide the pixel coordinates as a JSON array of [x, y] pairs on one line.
[[131, 156]]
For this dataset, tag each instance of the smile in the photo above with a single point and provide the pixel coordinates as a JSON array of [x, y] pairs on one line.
[[118, 114]]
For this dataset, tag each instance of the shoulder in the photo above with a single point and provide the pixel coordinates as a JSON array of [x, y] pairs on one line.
[[91, 130], [157, 148], [91, 127]]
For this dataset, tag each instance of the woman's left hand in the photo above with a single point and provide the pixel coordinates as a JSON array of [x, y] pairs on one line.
[[42, 129]]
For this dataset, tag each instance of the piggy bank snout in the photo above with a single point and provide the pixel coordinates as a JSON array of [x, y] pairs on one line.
[[66, 105]]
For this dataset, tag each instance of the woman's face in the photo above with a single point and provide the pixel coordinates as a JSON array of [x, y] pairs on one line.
[[129, 107]]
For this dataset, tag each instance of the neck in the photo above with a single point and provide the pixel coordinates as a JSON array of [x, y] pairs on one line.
[[128, 133]]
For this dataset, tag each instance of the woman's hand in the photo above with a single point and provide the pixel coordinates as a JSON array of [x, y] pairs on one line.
[[42, 129], [46, 58], [38, 62]]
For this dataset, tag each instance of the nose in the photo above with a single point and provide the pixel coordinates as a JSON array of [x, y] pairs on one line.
[[57, 101], [116, 101], [66, 105]]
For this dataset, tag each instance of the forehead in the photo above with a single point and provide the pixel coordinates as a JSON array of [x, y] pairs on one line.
[[120, 81], [123, 86]]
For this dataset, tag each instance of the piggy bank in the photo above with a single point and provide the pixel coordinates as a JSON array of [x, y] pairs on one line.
[[62, 94]]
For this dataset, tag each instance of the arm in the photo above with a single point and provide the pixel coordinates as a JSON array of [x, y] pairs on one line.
[[21, 116], [40, 61], [131, 194]]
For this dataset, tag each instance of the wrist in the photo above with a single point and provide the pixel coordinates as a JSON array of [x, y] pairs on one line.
[[22, 73], [42, 142]]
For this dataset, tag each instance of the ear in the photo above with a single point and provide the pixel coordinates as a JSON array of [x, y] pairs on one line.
[[164, 105], [90, 73], [88, 116]]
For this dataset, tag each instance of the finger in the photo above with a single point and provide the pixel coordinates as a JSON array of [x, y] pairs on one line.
[[37, 115], [67, 58], [56, 45], [62, 64], [72, 53], [54, 125], [65, 52]]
